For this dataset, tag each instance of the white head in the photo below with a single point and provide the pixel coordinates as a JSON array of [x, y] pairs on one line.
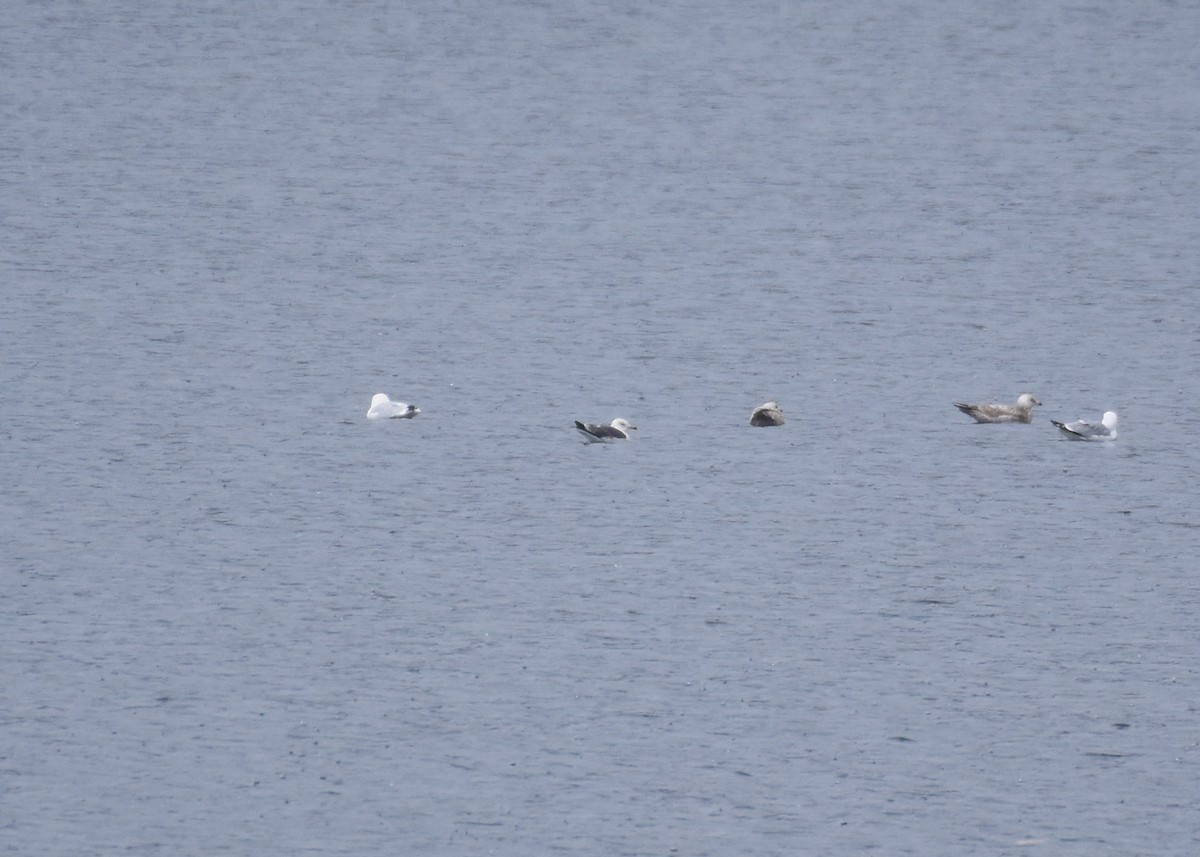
[[1110, 420], [769, 406], [622, 424], [1026, 400]]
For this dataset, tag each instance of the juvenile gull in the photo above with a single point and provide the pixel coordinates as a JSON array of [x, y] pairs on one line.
[[767, 414], [618, 429], [1021, 412], [1106, 429], [383, 408]]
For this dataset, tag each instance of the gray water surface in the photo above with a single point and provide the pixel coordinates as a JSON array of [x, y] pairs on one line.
[[238, 618]]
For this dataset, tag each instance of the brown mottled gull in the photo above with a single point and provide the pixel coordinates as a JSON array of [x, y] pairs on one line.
[[1021, 412], [767, 414]]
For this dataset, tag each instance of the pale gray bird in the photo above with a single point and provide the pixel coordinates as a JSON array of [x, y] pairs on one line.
[[1106, 429]]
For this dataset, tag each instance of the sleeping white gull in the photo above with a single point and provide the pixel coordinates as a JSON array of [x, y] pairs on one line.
[[767, 414], [1106, 429], [618, 429], [383, 408], [1021, 412]]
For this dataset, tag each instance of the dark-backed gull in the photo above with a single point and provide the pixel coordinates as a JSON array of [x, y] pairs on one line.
[[618, 429]]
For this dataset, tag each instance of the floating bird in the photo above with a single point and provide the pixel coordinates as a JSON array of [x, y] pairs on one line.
[[383, 408], [1106, 429], [1021, 412], [767, 414], [618, 429]]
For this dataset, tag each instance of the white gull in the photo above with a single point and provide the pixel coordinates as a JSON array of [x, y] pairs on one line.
[[383, 408]]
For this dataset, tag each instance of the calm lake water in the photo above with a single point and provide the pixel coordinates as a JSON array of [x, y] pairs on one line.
[[241, 619]]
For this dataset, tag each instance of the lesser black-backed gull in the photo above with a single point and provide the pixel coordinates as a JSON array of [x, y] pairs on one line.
[[618, 429]]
